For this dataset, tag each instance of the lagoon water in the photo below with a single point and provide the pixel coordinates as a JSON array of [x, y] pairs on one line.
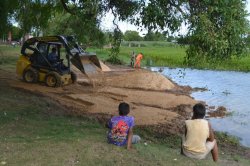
[[225, 88]]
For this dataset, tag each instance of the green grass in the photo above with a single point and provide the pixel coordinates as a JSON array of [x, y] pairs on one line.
[[36, 131], [154, 55], [173, 56], [8, 56], [160, 56]]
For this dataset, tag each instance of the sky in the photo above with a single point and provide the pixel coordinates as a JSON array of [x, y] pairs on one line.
[[248, 8], [107, 24]]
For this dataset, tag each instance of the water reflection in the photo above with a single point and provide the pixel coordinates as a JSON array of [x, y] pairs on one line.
[[225, 88]]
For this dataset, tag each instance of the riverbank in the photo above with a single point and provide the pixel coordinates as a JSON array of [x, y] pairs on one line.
[[218, 88], [32, 124], [44, 121]]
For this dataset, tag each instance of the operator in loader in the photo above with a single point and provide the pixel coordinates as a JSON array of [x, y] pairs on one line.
[[52, 57], [55, 62]]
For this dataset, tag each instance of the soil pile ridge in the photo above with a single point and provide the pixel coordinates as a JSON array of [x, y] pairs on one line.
[[151, 96], [142, 79]]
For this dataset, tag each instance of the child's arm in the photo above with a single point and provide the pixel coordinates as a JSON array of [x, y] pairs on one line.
[[211, 133], [108, 124], [130, 135]]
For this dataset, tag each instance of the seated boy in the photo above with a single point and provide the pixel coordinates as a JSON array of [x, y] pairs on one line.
[[199, 137], [121, 128]]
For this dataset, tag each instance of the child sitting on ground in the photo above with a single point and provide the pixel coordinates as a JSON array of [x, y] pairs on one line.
[[121, 128], [199, 137]]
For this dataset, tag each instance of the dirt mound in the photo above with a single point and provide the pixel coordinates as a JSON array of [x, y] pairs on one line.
[[142, 79], [148, 107], [145, 91], [127, 78], [104, 67]]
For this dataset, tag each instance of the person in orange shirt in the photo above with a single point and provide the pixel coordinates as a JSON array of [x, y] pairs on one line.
[[138, 60]]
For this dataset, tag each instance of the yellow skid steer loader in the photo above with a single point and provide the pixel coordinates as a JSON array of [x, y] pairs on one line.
[[42, 60]]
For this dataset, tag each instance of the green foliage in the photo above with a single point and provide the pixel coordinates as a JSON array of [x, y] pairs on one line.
[[216, 28], [154, 36], [7, 9], [16, 33], [132, 36], [84, 30], [184, 40], [171, 38], [33, 15], [159, 14], [59, 24], [217, 32], [116, 42], [247, 39], [4, 15], [225, 138]]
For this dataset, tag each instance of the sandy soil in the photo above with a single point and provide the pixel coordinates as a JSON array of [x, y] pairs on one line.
[[155, 101]]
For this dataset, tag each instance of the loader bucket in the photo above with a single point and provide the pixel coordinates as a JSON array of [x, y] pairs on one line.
[[87, 63]]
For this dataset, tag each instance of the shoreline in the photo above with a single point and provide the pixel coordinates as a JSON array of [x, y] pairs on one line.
[[227, 148]]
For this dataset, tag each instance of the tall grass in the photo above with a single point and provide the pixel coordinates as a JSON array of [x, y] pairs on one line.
[[168, 55], [174, 56]]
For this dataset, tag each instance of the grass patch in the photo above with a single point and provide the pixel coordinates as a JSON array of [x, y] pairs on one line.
[[225, 138], [8, 57], [37, 131], [154, 55], [173, 56]]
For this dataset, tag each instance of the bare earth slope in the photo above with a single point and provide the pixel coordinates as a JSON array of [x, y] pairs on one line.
[[152, 97]]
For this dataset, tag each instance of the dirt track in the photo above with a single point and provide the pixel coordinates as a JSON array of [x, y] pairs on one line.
[[155, 101]]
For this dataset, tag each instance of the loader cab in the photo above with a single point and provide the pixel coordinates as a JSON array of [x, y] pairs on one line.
[[34, 65], [38, 53]]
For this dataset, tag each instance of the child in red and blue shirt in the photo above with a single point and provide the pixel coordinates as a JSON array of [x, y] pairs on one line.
[[121, 128]]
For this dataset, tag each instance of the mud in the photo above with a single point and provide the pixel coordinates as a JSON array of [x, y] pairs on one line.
[[155, 101], [219, 112]]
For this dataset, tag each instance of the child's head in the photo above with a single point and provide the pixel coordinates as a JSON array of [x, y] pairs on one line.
[[123, 109], [199, 111]]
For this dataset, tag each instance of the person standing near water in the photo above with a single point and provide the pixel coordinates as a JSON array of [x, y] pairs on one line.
[[138, 60], [132, 59], [199, 140]]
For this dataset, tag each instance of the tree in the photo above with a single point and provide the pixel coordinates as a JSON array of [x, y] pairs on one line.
[[184, 40], [154, 36], [16, 33], [132, 36], [33, 14], [67, 24], [216, 27], [171, 38], [7, 10], [91, 11], [217, 30]]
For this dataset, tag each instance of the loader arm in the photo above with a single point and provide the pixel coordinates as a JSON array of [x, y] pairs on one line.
[[86, 62]]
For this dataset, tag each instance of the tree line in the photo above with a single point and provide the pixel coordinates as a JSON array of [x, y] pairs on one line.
[[216, 29]]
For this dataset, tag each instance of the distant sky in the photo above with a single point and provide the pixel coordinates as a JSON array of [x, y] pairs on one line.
[[248, 8], [107, 23]]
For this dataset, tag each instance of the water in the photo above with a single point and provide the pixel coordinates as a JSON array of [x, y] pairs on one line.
[[225, 88]]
